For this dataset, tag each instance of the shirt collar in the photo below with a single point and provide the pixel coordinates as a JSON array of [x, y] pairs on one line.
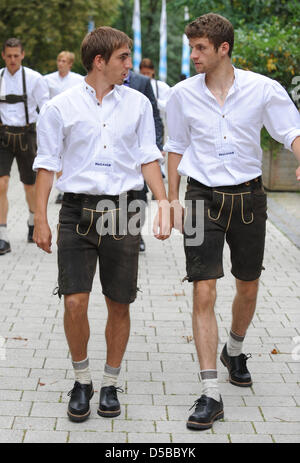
[[13, 76], [235, 86], [114, 93]]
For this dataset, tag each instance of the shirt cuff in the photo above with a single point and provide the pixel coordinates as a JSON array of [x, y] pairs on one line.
[[290, 138], [48, 164], [172, 146], [150, 154]]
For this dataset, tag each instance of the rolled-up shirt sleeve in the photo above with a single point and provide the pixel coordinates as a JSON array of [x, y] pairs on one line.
[[146, 136], [178, 133], [281, 118], [49, 140]]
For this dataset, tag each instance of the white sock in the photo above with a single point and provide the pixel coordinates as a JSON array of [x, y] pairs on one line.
[[82, 371], [209, 380], [31, 218], [3, 233], [110, 376], [234, 344]]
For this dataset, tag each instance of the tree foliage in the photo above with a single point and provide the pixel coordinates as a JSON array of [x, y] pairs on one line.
[[47, 27]]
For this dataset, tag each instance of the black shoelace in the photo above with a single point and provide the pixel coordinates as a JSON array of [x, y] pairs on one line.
[[244, 360], [198, 402]]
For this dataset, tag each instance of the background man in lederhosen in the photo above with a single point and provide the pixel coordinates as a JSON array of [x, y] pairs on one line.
[[22, 90]]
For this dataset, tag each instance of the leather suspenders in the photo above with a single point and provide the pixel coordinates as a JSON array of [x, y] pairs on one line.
[[12, 99]]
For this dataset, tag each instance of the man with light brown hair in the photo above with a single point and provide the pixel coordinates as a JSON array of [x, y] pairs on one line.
[[105, 151], [214, 124], [61, 80]]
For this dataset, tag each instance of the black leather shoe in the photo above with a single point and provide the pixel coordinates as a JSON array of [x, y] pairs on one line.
[[79, 404], [4, 247], [30, 234], [142, 245], [237, 369], [109, 405], [207, 410], [59, 198]]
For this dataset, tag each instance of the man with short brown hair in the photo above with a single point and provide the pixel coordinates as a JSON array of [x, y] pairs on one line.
[[214, 123], [105, 151]]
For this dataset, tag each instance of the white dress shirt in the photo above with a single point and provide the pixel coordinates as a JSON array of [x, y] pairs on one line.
[[37, 93], [221, 145], [58, 84], [99, 147]]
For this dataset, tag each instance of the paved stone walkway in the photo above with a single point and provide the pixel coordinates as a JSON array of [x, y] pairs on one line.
[[160, 372]]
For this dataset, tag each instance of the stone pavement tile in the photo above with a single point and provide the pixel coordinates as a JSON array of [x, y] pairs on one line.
[[6, 422], [48, 410], [146, 412], [10, 395], [189, 377], [143, 366], [142, 387], [133, 426], [291, 439], [10, 436], [290, 377], [45, 437], [148, 438], [269, 401], [278, 390], [266, 378], [14, 372], [47, 374], [281, 414], [281, 428], [94, 423], [169, 366], [136, 399], [251, 439], [15, 408], [34, 424], [97, 437], [41, 396], [267, 367]]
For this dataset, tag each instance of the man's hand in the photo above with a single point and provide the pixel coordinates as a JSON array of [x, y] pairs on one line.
[[162, 221], [42, 236]]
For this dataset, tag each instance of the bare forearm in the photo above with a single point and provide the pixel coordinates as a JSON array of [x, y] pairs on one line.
[[153, 178], [43, 187], [173, 176]]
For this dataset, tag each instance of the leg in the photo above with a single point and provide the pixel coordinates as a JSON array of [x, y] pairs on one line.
[[244, 305], [117, 335], [205, 327], [243, 309], [116, 332], [4, 182], [76, 324], [30, 197]]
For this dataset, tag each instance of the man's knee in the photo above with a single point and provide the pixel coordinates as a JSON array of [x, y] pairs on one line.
[[76, 306], [204, 295], [247, 289], [4, 181]]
